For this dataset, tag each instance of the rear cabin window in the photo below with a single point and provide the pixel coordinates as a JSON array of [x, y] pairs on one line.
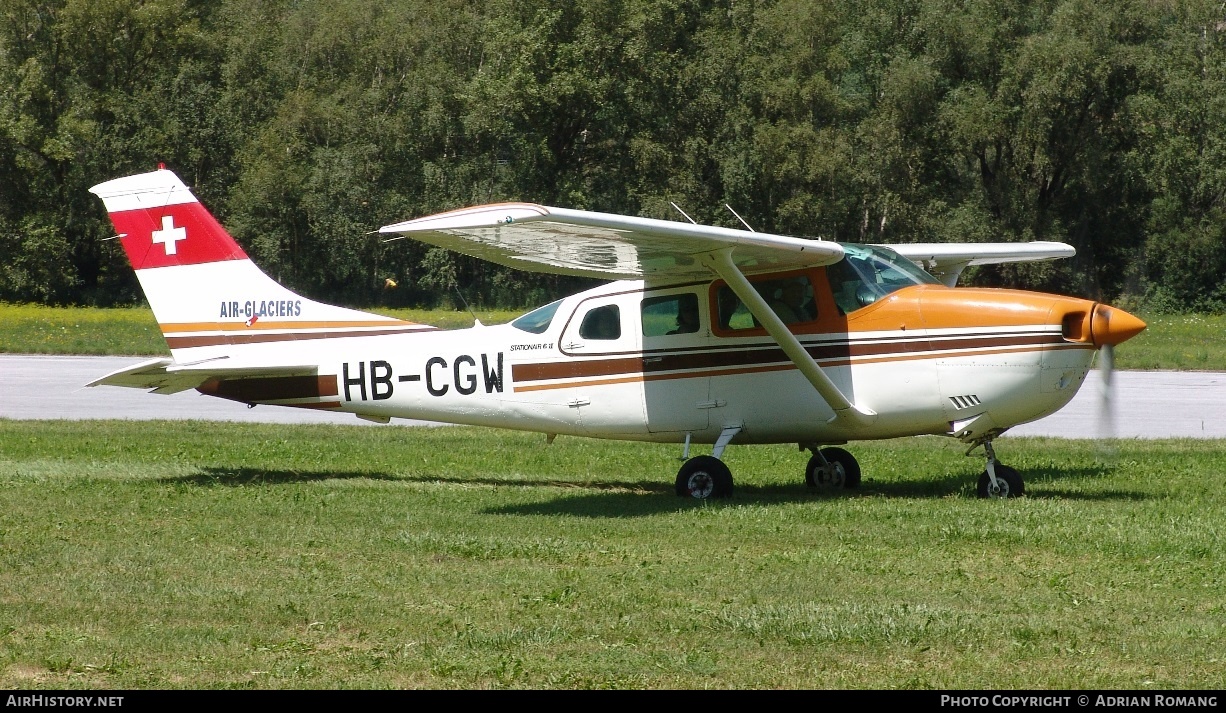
[[602, 323], [790, 297], [670, 314]]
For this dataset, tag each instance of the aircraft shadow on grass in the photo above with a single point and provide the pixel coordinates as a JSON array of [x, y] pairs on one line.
[[631, 504], [243, 477], [955, 483], [621, 499]]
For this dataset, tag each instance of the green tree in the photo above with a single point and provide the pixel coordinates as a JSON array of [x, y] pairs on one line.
[[93, 88]]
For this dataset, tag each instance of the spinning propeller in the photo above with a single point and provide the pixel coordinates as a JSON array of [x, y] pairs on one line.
[[1106, 407], [1108, 327]]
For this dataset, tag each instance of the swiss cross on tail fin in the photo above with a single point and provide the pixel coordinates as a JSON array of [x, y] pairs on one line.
[[161, 224], [169, 235]]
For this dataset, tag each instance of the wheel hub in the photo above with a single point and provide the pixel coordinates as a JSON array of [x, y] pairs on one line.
[[832, 475], [701, 485]]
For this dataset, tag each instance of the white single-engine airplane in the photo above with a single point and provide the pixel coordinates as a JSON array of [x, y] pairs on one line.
[[706, 335]]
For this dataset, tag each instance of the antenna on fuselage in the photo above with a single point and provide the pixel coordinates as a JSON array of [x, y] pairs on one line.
[[738, 217], [456, 287], [687, 217]]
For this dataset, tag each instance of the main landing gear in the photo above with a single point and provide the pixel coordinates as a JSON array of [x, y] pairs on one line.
[[998, 480], [832, 468], [703, 477]]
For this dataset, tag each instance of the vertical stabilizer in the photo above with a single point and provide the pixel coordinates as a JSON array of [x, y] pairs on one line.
[[206, 294]]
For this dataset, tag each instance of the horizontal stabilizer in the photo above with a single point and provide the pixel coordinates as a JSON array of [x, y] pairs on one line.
[[162, 376]]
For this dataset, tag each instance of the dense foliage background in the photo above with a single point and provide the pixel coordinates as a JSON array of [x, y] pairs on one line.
[[306, 124]]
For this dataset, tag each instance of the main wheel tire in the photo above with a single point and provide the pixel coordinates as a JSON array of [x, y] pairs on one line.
[[844, 471], [1009, 483], [704, 477]]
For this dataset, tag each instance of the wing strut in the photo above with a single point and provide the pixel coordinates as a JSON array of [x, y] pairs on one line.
[[848, 414]]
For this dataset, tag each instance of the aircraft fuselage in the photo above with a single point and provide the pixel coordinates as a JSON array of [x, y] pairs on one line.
[[920, 358]]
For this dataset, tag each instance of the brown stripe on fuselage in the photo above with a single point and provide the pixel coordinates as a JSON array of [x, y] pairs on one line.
[[271, 388], [217, 339], [756, 355]]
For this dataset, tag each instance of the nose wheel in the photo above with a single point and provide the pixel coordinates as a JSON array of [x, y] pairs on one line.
[[1008, 483]]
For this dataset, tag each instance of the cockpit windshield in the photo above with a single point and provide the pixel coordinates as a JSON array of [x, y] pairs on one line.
[[867, 273]]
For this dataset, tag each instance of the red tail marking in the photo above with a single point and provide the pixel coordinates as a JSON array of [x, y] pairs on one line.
[[181, 234]]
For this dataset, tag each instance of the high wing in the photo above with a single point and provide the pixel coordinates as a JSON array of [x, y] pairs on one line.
[[602, 245], [576, 242], [945, 261], [163, 376]]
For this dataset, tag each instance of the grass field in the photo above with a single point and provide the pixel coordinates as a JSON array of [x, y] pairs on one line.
[[168, 555], [1183, 342]]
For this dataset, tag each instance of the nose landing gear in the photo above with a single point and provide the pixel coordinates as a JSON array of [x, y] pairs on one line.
[[998, 480]]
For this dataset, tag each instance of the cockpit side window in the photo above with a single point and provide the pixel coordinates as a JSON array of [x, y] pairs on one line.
[[733, 314], [791, 298]]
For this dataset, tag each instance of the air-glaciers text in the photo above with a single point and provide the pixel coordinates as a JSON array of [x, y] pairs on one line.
[[261, 308]]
